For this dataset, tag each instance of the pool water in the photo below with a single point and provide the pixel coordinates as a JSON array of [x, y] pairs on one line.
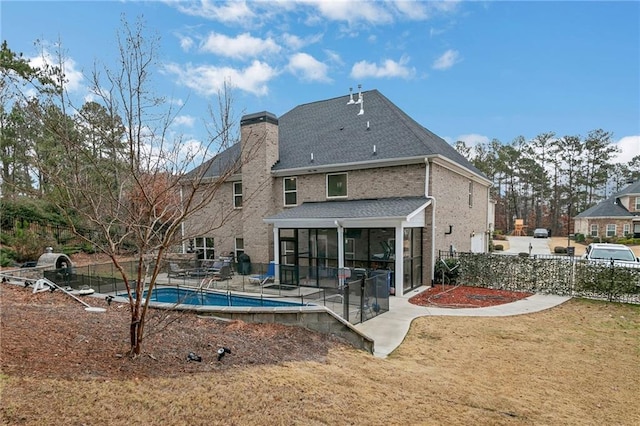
[[202, 298]]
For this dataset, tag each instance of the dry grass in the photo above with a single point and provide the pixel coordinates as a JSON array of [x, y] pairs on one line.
[[578, 363]]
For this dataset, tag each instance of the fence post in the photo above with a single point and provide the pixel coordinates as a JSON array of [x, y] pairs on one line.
[[362, 300], [345, 301]]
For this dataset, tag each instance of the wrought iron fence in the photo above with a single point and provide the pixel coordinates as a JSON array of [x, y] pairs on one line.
[[546, 274]]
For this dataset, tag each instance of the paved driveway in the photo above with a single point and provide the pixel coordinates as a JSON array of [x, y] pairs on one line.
[[522, 245]]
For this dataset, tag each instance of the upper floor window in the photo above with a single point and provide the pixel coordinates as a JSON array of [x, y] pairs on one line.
[[470, 193], [337, 185], [594, 230], [290, 191], [611, 230], [237, 195], [637, 203]]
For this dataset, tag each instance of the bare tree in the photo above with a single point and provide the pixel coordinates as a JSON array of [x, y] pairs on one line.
[[136, 194]]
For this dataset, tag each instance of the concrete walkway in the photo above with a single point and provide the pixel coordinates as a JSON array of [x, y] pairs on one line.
[[389, 329]]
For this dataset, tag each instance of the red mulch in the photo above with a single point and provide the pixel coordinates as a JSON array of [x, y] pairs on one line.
[[449, 296], [51, 335]]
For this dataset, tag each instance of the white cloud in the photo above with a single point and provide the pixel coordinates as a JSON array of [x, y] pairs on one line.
[[353, 11], [244, 46], [447, 60], [473, 139], [185, 120], [333, 56], [307, 67], [207, 80], [388, 69], [186, 43], [72, 75], [295, 42], [230, 12], [629, 148]]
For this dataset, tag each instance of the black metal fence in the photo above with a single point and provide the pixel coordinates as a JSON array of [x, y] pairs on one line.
[[354, 295], [546, 274]]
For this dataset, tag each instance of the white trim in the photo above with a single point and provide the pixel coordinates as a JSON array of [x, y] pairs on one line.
[[346, 184], [375, 164], [284, 191]]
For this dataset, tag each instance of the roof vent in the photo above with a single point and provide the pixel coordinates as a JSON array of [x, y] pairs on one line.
[[351, 101], [374, 150], [312, 157], [361, 102]]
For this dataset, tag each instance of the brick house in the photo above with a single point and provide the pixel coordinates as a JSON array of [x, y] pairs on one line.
[[344, 183], [617, 216]]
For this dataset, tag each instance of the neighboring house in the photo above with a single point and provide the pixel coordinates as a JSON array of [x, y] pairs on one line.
[[349, 182], [617, 216]]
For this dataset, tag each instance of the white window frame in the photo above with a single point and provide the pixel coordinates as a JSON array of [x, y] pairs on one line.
[[615, 228], [470, 194], [206, 245], [637, 204], [346, 185], [626, 229], [238, 247], [594, 227], [286, 191], [237, 195]]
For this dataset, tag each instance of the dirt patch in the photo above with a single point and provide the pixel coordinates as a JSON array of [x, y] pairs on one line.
[[456, 297], [51, 335]]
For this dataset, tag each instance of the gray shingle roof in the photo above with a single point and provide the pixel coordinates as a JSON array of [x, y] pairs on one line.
[[611, 207], [220, 164], [335, 134], [398, 207]]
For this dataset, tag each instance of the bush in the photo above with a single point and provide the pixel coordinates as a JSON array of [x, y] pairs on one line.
[[450, 271], [580, 238], [560, 250], [523, 254], [498, 247]]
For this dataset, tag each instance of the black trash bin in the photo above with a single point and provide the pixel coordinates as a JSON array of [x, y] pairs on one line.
[[244, 264]]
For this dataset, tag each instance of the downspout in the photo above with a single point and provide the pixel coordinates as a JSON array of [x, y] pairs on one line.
[[433, 218], [341, 272]]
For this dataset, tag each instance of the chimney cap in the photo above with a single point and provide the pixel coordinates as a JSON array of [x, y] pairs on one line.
[[259, 117]]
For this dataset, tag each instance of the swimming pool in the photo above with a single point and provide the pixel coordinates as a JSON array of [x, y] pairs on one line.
[[201, 298]]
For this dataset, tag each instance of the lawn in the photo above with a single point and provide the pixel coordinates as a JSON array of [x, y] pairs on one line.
[[578, 363]]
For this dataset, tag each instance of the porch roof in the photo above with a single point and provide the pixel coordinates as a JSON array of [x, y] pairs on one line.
[[354, 213]]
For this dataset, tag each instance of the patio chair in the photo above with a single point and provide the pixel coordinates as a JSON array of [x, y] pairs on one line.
[[268, 277], [176, 271]]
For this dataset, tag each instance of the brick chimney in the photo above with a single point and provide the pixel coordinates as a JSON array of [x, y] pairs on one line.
[[259, 138]]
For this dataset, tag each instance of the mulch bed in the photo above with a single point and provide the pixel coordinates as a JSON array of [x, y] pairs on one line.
[[456, 297], [51, 335]]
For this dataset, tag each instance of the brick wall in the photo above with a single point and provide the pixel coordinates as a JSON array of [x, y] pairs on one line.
[[451, 191]]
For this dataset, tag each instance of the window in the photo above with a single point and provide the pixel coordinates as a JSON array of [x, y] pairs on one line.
[[239, 247], [470, 194], [337, 185], [237, 195], [637, 204], [626, 229], [203, 247], [594, 230], [611, 230], [290, 191]]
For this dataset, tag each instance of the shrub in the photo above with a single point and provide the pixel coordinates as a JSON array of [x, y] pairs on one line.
[[580, 238], [560, 250], [523, 254], [499, 247]]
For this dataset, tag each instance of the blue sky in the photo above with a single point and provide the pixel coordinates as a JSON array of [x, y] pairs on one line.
[[470, 71]]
